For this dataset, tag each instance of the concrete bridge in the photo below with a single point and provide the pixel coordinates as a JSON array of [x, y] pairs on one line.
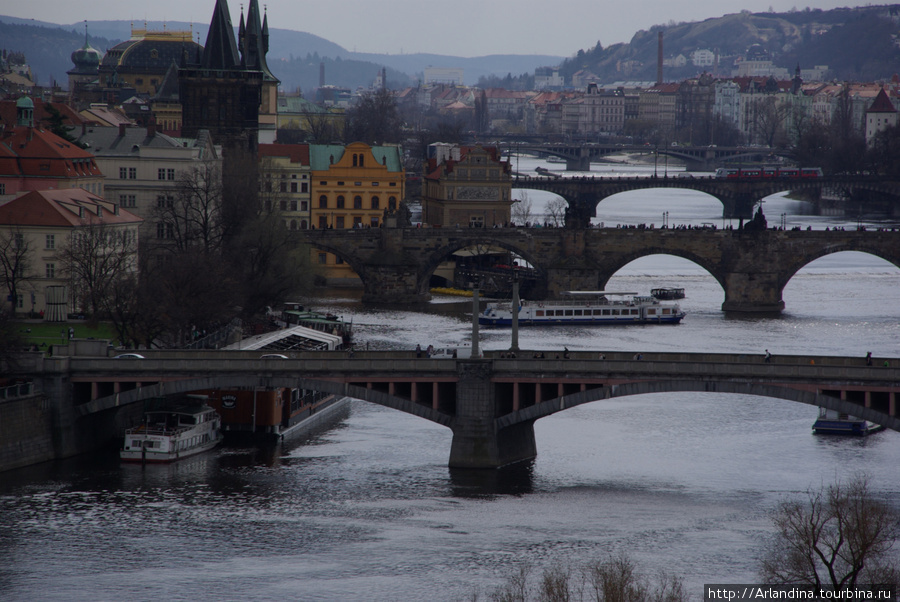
[[739, 196], [490, 403], [753, 267], [579, 156]]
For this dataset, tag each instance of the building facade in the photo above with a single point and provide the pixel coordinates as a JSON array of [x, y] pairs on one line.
[[43, 223], [467, 186], [352, 187], [284, 175]]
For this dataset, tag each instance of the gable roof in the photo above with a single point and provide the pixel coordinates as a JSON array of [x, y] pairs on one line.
[[66, 208]]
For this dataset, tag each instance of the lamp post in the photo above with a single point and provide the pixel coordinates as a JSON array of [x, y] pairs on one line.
[[514, 345]]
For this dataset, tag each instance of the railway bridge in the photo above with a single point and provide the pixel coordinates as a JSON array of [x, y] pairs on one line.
[[489, 403], [395, 265]]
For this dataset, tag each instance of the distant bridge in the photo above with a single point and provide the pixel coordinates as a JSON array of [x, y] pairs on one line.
[[579, 156], [490, 404], [738, 196]]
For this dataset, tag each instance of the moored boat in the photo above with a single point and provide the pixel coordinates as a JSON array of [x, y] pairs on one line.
[[585, 308], [667, 294], [832, 422], [174, 433]]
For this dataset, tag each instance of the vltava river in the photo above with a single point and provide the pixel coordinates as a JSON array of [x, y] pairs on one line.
[[368, 510]]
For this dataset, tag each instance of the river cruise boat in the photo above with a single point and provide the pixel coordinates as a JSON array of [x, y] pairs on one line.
[[172, 434], [832, 422], [586, 308]]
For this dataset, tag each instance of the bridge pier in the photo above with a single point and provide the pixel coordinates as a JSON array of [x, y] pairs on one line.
[[392, 284], [752, 292], [582, 163], [477, 442]]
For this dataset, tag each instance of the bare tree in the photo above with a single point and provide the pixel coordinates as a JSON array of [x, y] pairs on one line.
[[15, 263], [94, 257], [521, 209], [768, 117], [556, 212], [374, 120], [839, 537], [194, 216]]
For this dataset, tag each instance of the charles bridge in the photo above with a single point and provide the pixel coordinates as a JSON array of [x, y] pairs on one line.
[[752, 266], [489, 403]]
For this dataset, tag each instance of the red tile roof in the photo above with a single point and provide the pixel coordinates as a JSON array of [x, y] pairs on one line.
[[38, 153], [298, 153], [70, 207]]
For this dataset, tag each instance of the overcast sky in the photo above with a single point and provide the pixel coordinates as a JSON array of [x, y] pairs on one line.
[[458, 27]]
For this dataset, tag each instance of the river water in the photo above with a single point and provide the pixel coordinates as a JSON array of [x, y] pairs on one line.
[[366, 509]]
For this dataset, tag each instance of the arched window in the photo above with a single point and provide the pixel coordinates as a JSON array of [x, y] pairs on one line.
[[376, 202], [392, 203], [323, 202], [357, 202], [340, 201], [355, 161], [293, 224], [303, 224]]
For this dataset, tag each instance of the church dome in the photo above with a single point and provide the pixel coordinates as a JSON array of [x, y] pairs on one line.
[[86, 59]]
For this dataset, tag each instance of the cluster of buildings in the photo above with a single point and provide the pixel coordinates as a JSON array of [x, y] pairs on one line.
[[687, 112], [115, 148]]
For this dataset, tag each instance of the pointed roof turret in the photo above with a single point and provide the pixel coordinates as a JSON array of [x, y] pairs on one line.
[[254, 43], [882, 104], [220, 51]]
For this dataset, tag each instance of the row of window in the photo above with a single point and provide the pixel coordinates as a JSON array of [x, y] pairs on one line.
[[598, 312], [163, 173], [374, 202], [325, 183]]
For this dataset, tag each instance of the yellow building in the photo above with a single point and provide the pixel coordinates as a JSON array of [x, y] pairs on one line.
[[352, 186]]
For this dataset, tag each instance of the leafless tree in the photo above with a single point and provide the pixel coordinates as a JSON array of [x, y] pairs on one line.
[[521, 209], [194, 216], [15, 263], [841, 536], [95, 256], [374, 120], [768, 116], [556, 212]]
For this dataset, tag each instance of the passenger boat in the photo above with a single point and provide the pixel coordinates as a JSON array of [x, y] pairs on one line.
[[173, 434], [667, 294], [586, 308], [832, 422]]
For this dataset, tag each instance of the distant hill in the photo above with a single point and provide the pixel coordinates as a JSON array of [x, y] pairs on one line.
[[294, 56], [858, 44]]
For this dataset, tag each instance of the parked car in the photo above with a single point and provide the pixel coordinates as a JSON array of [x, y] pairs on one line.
[[129, 356]]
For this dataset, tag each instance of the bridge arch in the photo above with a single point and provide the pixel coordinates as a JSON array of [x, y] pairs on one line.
[[625, 260], [346, 389], [480, 238], [559, 404], [340, 252], [799, 262]]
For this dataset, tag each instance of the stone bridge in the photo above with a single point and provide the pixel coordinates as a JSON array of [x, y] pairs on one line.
[[753, 267], [490, 403], [738, 196]]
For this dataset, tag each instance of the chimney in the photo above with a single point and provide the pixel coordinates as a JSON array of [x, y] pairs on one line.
[[659, 59], [121, 130], [151, 129]]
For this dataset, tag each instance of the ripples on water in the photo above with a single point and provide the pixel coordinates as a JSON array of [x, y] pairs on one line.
[[368, 510]]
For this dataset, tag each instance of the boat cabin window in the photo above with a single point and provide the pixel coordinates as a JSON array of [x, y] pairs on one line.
[[666, 311], [615, 312], [577, 312], [568, 312], [539, 313], [606, 312]]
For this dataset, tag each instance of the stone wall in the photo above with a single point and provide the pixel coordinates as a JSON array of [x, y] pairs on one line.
[[26, 431]]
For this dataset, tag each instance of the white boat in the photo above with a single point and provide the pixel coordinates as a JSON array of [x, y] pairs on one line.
[[832, 422], [173, 434], [586, 308]]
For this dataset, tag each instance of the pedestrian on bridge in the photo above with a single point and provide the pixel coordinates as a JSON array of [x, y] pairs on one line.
[[768, 356]]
